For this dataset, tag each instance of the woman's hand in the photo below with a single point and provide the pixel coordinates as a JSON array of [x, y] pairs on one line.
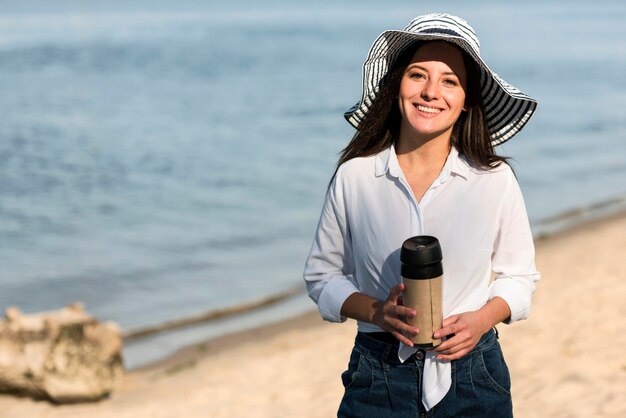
[[390, 315], [468, 327]]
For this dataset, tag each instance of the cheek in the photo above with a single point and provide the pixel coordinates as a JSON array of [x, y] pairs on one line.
[[457, 100], [408, 88], [403, 92], [402, 111]]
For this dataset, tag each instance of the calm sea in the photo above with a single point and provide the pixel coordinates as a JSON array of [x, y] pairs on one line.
[[160, 159]]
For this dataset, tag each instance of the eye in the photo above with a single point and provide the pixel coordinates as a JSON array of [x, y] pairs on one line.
[[417, 75], [450, 82]]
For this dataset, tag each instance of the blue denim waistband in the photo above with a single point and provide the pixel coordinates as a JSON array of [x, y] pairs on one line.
[[388, 352]]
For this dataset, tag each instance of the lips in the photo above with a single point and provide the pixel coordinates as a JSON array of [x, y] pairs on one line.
[[426, 109]]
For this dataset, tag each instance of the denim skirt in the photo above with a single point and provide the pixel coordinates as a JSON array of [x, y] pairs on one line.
[[378, 385]]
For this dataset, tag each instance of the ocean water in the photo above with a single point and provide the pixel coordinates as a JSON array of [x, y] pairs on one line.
[[162, 159]]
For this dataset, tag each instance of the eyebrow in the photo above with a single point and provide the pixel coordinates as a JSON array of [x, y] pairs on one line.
[[424, 69]]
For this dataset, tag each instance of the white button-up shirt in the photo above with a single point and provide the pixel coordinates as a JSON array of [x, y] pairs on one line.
[[478, 217]]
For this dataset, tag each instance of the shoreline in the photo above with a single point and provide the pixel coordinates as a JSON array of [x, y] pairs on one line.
[[216, 345], [312, 318], [562, 224], [294, 366]]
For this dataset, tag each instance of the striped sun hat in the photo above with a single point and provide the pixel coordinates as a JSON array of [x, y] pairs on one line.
[[507, 109]]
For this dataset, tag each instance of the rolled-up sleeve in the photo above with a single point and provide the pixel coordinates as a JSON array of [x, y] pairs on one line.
[[329, 268], [513, 259]]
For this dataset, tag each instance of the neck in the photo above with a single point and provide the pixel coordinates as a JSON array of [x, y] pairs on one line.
[[421, 161], [423, 151]]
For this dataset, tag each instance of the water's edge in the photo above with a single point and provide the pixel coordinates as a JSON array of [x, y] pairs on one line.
[[211, 315], [153, 343]]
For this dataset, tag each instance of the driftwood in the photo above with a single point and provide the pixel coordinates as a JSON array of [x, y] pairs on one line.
[[64, 356]]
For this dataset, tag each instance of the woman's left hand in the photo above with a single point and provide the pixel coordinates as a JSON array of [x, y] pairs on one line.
[[467, 328]]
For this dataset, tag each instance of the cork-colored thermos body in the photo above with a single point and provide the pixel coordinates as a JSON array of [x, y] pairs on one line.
[[425, 296]]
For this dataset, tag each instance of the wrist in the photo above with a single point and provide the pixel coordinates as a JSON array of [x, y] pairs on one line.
[[494, 312], [486, 320]]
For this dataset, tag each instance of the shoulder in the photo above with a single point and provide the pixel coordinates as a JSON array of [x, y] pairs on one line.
[[356, 168], [499, 179], [354, 178], [501, 171]]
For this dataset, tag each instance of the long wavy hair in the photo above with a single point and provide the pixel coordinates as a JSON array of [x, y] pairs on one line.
[[380, 127]]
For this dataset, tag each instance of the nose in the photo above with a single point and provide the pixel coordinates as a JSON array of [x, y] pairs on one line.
[[431, 90]]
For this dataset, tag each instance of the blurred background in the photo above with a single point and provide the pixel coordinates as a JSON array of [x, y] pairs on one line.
[[161, 159]]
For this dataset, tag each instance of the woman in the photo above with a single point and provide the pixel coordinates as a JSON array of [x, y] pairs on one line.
[[422, 162]]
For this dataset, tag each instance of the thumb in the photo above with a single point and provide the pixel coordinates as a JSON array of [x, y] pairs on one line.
[[394, 292]]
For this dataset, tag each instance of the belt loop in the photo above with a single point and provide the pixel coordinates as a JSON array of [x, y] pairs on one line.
[[497, 334]]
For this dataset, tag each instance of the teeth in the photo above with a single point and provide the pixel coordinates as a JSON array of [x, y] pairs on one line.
[[428, 109]]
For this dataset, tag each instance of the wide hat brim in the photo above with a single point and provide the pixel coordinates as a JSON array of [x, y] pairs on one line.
[[507, 109]]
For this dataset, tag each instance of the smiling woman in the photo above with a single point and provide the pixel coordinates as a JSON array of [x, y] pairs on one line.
[[431, 99], [422, 162]]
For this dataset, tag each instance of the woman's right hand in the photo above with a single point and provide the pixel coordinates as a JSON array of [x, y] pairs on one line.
[[390, 315]]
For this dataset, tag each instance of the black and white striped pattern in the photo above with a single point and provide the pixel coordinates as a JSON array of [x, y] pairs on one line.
[[507, 109]]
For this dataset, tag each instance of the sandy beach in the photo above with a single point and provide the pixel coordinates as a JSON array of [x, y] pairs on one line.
[[567, 360]]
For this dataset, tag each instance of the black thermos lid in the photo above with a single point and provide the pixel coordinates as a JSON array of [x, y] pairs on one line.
[[421, 258]]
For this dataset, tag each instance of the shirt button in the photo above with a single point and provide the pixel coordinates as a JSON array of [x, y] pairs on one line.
[[419, 355]]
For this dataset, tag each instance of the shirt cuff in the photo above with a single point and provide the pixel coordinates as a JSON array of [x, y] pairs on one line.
[[517, 294], [334, 294]]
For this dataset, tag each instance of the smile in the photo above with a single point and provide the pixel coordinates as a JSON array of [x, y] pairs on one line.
[[426, 109]]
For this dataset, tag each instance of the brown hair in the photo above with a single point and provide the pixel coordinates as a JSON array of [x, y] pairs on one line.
[[380, 127]]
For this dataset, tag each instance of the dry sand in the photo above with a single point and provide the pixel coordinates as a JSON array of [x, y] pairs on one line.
[[567, 360]]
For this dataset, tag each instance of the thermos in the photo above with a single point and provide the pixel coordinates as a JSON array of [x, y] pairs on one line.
[[422, 273]]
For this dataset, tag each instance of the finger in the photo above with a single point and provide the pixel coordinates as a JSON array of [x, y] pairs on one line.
[[400, 337], [403, 327], [453, 347], [450, 320], [454, 343], [399, 310], [461, 346], [450, 329], [443, 332], [446, 345], [454, 356]]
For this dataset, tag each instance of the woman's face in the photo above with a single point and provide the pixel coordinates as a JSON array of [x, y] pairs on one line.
[[432, 91]]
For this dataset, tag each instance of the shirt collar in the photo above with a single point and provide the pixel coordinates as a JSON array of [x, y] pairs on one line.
[[456, 164], [387, 162]]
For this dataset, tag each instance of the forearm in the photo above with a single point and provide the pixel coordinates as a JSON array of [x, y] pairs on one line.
[[494, 312], [360, 307]]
